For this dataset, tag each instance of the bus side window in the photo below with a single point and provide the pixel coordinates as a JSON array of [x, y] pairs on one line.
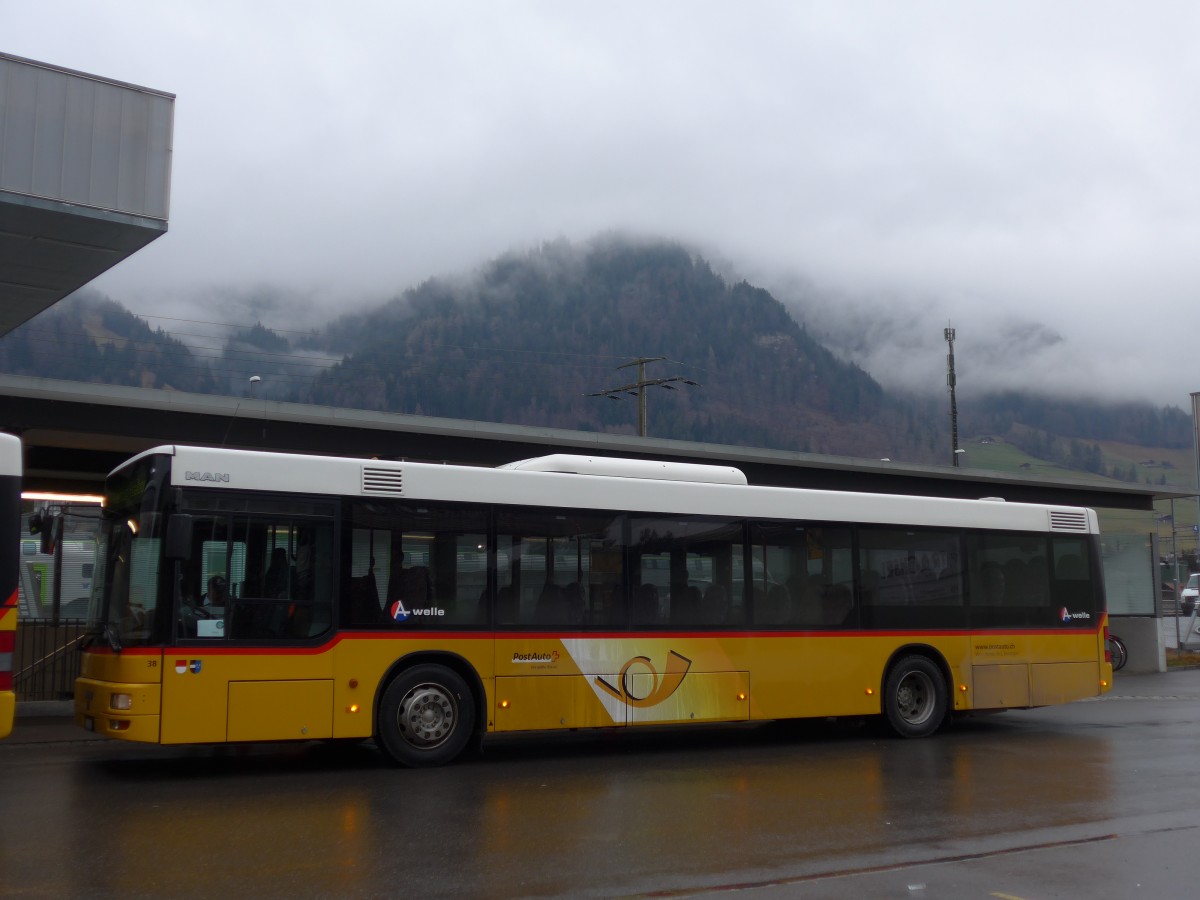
[[558, 570], [280, 575], [910, 577], [1073, 587], [311, 611]]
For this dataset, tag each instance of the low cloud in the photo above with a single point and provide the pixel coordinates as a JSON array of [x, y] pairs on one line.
[[1022, 171]]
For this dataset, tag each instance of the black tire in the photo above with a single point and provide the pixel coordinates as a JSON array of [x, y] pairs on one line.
[[426, 716], [1116, 649], [915, 698]]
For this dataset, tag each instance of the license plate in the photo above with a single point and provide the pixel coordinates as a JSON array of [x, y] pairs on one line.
[[89, 723]]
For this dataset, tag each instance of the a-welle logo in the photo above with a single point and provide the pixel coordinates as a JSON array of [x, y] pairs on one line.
[[661, 686]]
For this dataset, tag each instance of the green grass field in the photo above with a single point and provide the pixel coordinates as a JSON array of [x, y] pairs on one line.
[[1177, 467]]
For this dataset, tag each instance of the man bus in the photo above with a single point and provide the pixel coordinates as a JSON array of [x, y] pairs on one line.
[[426, 606]]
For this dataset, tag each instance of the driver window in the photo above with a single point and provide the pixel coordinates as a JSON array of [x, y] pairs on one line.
[[257, 577]]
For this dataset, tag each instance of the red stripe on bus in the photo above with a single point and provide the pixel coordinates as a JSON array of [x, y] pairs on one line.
[[450, 636]]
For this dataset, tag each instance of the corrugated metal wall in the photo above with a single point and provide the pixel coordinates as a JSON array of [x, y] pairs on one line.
[[76, 138]]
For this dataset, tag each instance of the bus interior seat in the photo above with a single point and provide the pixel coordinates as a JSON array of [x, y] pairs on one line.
[[686, 609], [365, 608], [645, 605]]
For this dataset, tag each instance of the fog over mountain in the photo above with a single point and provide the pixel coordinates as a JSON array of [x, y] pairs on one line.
[[899, 339], [544, 338]]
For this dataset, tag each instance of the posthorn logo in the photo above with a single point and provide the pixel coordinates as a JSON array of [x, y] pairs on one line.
[[661, 684]]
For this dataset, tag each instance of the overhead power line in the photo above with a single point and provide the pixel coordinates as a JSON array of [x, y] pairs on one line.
[[638, 388]]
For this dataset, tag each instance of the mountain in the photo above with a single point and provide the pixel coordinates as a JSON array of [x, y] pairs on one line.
[[90, 338], [530, 336], [546, 337]]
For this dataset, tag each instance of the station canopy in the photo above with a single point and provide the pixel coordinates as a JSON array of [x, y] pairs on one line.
[[85, 171]]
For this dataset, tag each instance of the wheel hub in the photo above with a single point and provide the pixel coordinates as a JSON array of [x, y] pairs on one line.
[[427, 715], [912, 699]]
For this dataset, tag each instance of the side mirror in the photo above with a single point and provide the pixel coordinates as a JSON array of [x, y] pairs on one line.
[[179, 537], [47, 527], [53, 535]]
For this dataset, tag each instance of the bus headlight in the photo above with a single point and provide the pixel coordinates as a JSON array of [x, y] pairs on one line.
[[121, 701]]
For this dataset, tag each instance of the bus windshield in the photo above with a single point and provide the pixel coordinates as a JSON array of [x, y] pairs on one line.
[[125, 594]]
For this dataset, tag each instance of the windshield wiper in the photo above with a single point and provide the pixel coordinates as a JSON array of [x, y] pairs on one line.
[[113, 638]]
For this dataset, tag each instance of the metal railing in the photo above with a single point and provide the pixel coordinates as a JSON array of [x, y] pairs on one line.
[[52, 594], [46, 658]]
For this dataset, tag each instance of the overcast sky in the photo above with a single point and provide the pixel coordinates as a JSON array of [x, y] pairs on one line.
[[1026, 171]]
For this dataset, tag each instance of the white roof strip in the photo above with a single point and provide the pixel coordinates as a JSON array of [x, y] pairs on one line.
[[572, 464]]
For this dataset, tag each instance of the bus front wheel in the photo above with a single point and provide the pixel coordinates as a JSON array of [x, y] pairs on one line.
[[426, 716], [914, 697]]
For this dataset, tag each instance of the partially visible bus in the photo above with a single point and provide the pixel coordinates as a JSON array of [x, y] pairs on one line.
[[248, 596], [77, 562], [10, 545]]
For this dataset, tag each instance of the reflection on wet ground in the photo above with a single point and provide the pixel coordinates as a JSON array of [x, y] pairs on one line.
[[590, 813], [538, 813]]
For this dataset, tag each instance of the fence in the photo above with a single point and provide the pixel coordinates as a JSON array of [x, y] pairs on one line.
[[52, 593], [46, 658]]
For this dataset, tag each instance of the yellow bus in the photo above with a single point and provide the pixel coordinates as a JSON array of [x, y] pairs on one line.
[[10, 548], [249, 596]]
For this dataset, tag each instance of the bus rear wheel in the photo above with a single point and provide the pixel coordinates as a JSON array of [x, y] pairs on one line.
[[914, 697], [426, 716]]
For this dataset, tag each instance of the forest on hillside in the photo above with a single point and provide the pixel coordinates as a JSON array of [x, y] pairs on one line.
[[529, 337], [538, 338]]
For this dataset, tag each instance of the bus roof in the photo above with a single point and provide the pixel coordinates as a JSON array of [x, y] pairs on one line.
[[544, 484]]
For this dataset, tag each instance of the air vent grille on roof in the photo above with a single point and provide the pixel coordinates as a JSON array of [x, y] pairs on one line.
[[382, 481], [1068, 520]]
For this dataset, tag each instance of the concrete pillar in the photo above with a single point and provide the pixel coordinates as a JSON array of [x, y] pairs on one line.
[[1143, 638]]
